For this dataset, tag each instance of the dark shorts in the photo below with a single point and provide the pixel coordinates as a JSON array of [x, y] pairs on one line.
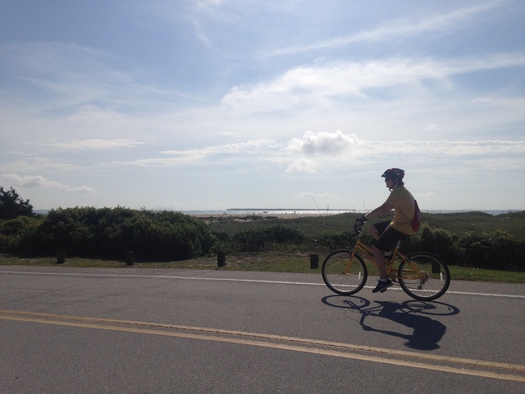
[[389, 237]]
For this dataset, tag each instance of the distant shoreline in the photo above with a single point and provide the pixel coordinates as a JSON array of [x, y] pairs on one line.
[[294, 213]]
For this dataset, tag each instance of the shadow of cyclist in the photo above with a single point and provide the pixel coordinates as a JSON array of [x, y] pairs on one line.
[[426, 333]]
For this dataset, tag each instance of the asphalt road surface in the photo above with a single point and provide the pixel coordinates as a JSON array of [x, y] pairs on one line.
[[129, 330]]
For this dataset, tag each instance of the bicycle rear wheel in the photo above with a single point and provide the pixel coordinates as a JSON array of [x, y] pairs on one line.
[[424, 277], [342, 275]]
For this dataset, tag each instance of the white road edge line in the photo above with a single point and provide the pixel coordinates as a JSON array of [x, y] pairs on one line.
[[238, 280]]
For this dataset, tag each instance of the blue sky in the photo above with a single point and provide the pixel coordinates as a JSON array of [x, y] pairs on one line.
[[215, 104]]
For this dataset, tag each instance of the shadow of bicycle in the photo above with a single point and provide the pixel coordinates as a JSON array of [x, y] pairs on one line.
[[426, 332]]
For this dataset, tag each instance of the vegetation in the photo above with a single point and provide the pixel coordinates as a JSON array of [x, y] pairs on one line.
[[108, 233], [470, 242], [12, 205], [469, 239]]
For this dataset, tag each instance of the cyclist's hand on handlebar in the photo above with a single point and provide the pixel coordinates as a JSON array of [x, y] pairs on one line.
[[359, 222]]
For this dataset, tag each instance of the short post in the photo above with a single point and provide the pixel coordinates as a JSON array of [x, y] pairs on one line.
[[130, 258], [61, 256], [314, 261], [221, 259]]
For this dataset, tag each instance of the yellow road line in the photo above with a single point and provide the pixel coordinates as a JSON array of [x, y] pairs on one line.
[[334, 349]]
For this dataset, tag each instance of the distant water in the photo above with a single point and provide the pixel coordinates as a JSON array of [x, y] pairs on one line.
[[298, 212], [272, 212]]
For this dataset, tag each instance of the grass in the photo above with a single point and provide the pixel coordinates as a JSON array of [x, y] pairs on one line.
[[483, 275], [271, 261]]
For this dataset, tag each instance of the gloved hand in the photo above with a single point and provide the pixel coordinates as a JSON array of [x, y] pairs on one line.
[[359, 222]]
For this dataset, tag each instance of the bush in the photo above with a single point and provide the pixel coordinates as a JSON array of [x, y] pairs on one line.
[[436, 241], [13, 231], [255, 240], [337, 240], [109, 233], [495, 250]]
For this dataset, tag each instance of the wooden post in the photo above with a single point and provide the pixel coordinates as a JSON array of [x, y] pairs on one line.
[[61, 256], [221, 259], [130, 258], [314, 261]]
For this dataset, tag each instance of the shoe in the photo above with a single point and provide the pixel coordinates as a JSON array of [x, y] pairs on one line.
[[382, 286]]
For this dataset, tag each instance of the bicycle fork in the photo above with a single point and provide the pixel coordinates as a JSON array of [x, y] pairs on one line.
[[349, 265]]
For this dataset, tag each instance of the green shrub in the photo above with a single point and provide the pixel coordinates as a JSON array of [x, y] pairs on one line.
[[495, 250], [254, 240], [12, 231], [336, 240], [107, 232], [436, 241]]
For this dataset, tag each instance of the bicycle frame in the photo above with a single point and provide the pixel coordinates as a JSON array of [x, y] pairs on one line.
[[366, 251]]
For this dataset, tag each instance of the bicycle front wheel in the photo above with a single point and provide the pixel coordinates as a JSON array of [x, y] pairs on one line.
[[343, 275], [423, 276]]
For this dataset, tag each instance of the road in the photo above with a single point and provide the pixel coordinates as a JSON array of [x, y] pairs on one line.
[[133, 330]]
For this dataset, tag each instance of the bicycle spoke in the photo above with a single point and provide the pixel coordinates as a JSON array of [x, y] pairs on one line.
[[342, 275], [424, 277]]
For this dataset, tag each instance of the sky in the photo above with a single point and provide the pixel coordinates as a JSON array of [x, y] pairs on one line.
[[216, 104]]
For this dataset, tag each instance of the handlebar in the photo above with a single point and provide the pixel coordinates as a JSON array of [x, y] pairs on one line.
[[359, 222]]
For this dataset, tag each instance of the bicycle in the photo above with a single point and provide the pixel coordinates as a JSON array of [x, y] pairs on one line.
[[421, 275]]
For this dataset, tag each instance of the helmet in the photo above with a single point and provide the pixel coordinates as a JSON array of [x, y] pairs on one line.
[[396, 174]]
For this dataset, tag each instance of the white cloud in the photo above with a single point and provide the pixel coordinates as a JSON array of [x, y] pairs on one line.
[[442, 148], [220, 154], [444, 23], [239, 147], [431, 127], [472, 154], [319, 85], [304, 195], [323, 143], [331, 152], [95, 144], [29, 181], [302, 165]]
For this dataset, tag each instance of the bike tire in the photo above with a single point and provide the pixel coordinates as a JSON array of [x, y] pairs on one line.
[[424, 277], [343, 276]]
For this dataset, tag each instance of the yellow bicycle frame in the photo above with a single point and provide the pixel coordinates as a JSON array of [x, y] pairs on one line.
[[366, 251]]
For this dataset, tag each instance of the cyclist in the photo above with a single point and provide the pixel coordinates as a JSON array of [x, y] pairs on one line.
[[388, 233]]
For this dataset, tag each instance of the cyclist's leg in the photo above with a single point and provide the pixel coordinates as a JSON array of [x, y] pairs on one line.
[[379, 228], [379, 257], [385, 243]]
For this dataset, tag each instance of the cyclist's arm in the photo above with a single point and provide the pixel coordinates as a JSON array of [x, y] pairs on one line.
[[379, 211]]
